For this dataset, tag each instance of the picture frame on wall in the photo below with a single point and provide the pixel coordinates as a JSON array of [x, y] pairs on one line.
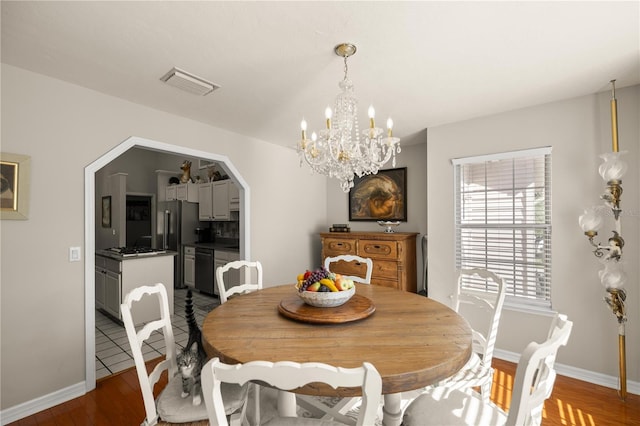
[[15, 170], [382, 196], [106, 211]]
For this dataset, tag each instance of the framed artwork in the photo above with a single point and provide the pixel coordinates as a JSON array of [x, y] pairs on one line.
[[14, 186], [382, 196], [106, 211]]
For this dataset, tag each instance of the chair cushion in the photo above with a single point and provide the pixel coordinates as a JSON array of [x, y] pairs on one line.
[[458, 408], [173, 408], [474, 373]]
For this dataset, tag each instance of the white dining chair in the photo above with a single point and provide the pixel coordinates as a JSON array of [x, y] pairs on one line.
[[478, 372], [286, 376], [243, 268], [533, 384], [358, 261], [169, 405]]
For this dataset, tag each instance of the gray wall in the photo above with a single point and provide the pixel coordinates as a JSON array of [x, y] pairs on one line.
[[578, 130], [414, 158], [64, 128]]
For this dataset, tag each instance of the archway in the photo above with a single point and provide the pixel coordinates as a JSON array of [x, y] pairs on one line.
[[89, 227]]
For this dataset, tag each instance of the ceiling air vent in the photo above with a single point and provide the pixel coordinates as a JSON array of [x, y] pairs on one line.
[[188, 82]]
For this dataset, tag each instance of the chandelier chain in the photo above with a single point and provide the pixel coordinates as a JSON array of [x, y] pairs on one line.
[[346, 68]]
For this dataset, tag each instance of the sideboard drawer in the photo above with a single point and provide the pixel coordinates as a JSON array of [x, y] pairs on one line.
[[385, 269], [378, 249], [335, 247], [384, 282], [349, 268]]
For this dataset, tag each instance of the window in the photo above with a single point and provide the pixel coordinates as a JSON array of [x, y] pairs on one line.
[[503, 222]]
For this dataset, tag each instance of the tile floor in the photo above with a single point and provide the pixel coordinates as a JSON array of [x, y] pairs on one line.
[[112, 346]]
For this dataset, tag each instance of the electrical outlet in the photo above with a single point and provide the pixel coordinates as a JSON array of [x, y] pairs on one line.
[[74, 254]]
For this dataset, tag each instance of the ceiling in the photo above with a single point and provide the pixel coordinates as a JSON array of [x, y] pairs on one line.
[[423, 63]]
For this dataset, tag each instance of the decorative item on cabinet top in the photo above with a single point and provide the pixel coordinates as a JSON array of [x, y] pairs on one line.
[[393, 255]]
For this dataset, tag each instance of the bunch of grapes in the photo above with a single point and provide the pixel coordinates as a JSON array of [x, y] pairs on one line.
[[315, 276]]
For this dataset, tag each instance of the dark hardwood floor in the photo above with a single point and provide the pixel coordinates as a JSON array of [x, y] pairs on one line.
[[116, 401]]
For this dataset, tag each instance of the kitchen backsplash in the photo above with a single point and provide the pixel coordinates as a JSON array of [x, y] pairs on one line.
[[226, 229]]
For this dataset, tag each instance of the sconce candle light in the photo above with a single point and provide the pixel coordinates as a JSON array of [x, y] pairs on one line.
[[612, 276]]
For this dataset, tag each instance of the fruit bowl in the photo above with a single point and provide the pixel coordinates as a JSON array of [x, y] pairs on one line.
[[329, 299]]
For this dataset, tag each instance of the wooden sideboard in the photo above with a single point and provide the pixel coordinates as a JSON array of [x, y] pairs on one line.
[[393, 255]]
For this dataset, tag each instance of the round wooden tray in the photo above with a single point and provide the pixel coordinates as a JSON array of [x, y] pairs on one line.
[[356, 308]]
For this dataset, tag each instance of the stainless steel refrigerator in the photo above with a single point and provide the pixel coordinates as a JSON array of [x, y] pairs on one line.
[[179, 223]]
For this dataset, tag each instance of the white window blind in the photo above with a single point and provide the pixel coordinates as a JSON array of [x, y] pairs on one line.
[[503, 222]]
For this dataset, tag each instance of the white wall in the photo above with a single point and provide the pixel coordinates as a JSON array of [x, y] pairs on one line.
[[64, 128], [578, 130]]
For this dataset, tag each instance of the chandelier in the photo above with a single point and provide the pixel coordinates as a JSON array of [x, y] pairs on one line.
[[341, 151]]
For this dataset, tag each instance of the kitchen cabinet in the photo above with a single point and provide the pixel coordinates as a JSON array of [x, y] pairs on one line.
[[393, 256], [113, 294], [221, 200], [234, 197], [205, 201], [122, 276], [189, 267], [187, 192], [108, 285], [184, 192], [171, 193], [217, 200], [100, 277], [221, 258]]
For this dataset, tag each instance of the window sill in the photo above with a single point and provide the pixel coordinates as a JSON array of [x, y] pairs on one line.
[[529, 309]]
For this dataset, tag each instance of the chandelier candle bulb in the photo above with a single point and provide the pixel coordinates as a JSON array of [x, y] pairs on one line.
[[372, 115], [327, 114], [390, 127], [303, 126]]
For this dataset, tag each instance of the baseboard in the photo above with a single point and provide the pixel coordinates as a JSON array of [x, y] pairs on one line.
[[577, 373], [44, 402]]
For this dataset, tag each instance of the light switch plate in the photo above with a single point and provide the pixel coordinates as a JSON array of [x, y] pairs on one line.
[[74, 254]]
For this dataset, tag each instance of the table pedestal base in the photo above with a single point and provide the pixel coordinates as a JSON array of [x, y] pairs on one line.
[[391, 411]]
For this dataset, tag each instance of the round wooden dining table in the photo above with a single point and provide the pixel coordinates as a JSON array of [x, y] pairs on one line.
[[413, 341]]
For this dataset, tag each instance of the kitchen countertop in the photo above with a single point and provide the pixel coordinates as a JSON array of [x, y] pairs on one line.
[[222, 245], [116, 256]]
